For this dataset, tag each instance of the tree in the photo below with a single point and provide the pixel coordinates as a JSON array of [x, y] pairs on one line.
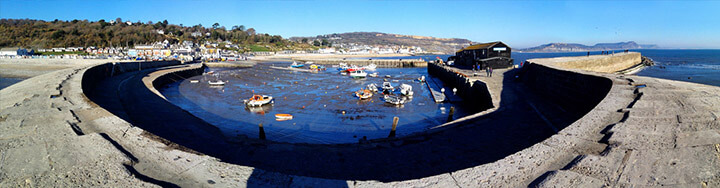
[[316, 43], [118, 20], [325, 42], [304, 40], [215, 25], [251, 31], [241, 28]]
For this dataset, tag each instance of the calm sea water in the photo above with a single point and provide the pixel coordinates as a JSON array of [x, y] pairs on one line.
[[5, 82], [698, 66], [323, 105]]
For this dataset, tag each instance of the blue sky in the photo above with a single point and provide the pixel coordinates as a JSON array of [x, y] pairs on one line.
[[670, 24]]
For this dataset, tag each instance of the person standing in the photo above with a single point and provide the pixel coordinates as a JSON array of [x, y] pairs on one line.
[[487, 71], [490, 69]]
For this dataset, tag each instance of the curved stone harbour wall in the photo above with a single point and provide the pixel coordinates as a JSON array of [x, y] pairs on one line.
[[474, 93], [576, 93], [92, 76]]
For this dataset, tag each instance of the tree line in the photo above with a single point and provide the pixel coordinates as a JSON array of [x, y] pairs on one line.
[[37, 34]]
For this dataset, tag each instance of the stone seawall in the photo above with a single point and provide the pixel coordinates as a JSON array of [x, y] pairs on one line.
[[475, 93], [596, 63], [92, 76], [575, 93]]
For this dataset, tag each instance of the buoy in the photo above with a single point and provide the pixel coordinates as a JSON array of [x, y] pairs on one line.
[[325, 105], [303, 107], [343, 112]]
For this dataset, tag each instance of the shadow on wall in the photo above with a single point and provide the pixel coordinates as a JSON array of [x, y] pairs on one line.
[[513, 127]]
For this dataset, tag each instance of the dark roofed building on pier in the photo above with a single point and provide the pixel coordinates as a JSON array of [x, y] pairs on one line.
[[493, 54]]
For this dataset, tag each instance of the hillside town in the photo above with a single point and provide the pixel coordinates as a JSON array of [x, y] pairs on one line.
[[189, 51]]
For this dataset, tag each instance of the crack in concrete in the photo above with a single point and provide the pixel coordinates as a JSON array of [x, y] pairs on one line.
[[454, 180]]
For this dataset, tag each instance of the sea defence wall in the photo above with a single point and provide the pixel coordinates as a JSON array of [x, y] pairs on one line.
[[95, 74], [575, 93], [475, 92], [596, 63], [384, 63]]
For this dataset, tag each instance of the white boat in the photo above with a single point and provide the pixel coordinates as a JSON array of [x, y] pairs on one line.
[[387, 88], [216, 83], [363, 94], [358, 74], [259, 100], [372, 87], [374, 74], [421, 79], [371, 66], [406, 89], [396, 100], [194, 81], [309, 63]]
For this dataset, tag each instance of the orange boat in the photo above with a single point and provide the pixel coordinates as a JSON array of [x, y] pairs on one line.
[[283, 117], [259, 100], [363, 94]]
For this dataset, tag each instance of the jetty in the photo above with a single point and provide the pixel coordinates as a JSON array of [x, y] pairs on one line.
[[383, 63], [292, 69]]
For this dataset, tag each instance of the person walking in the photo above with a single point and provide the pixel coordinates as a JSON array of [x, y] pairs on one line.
[[487, 71], [491, 69]]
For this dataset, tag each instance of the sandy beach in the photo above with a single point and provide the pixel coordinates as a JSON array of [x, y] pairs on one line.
[[26, 68]]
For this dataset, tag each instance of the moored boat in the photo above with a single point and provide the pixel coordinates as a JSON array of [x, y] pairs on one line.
[[363, 94], [259, 100], [216, 83], [396, 100], [372, 87], [358, 74], [387, 88], [283, 117], [406, 89]]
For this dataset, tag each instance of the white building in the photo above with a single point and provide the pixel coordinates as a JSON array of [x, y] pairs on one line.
[[15, 51]]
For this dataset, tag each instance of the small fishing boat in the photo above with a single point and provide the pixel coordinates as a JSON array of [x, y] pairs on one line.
[[387, 88], [421, 79], [283, 117], [396, 100], [363, 94], [358, 74], [309, 63], [210, 73], [371, 66], [216, 83], [296, 65], [372, 87], [317, 68], [374, 75], [194, 81], [259, 100], [406, 89]]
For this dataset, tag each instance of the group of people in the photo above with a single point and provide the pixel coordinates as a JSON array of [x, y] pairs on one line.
[[488, 70]]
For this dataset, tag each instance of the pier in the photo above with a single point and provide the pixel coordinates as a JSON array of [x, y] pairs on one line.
[[382, 63]]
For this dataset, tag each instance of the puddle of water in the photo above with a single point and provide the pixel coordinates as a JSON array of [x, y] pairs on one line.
[[316, 101]]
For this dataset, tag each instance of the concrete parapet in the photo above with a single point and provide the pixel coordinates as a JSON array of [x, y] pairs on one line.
[[596, 63]]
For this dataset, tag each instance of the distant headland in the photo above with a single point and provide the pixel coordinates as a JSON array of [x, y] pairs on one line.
[[574, 47]]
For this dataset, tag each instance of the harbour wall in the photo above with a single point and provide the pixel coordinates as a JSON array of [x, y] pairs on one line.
[[476, 93], [96, 74], [596, 63], [384, 63], [575, 93]]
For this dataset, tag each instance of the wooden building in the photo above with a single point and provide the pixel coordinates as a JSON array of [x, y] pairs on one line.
[[493, 54]]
